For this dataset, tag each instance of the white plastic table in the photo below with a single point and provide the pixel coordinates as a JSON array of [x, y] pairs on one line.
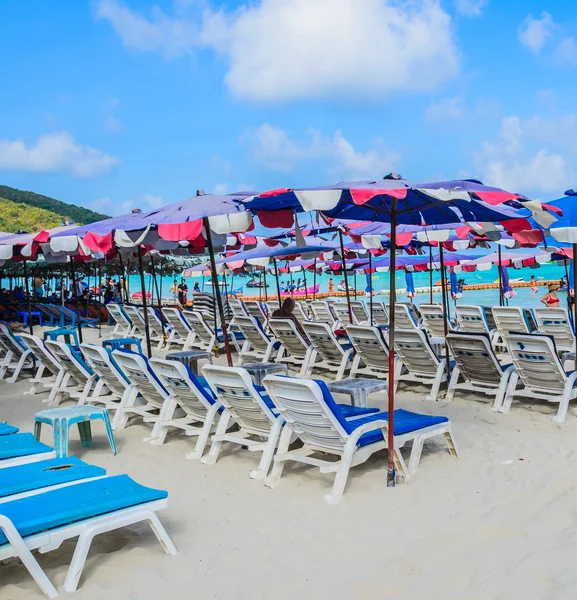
[[258, 371], [358, 389]]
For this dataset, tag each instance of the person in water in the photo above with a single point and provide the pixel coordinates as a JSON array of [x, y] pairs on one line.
[[331, 285], [551, 299], [534, 289]]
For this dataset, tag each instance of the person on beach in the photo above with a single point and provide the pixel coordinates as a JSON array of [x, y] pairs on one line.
[[286, 312], [182, 293], [196, 287], [534, 290], [551, 299]]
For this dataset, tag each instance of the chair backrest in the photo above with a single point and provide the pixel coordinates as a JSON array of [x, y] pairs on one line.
[[510, 319], [380, 313], [433, 319], [106, 367], [254, 309], [237, 307], [70, 360], [472, 319], [271, 306], [252, 330], [289, 336], [10, 341], [412, 347], [300, 310], [235, 390], [135, 318], [322, 312], [308, 407], [182, 384], [370, 345], [42, 354], [118, 315], [142, 376], [404, 318], [324, 341], [154, 323], [475, 357], [360, 312], [199, 325], [177, 321], [555, 322], [341, 312], [536, 362]]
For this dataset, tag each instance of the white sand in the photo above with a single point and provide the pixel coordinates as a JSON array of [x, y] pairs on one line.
[[472, 528]]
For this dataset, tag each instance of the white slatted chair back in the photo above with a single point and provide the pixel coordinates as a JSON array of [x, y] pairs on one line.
[[254, 309], [404, 318], [472, 319], [10, 341], [325, 342], [234, 388], [341, 312], [203, 331], [322, 313], [271, 306], [237, 307], [536, 362], [510, 319], [108, 370], [555, 322], [380, 313], [475, 357], [360, 312], [74, 365], [41, 353], [370, 346], [433, 319], [136, 320], [301, 313], [122, 324], [154, 323], [253, 332], [289, 336], [177, 321], [413, 349]]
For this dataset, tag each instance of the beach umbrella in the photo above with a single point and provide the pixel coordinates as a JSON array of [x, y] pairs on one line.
[[410, 285], [455, 290], [508, 291], [396, 201]]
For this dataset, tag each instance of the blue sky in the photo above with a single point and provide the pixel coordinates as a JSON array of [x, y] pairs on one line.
[[114, 104]]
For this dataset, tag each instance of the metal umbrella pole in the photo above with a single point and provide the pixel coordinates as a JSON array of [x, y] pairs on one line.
[[158, 297], [75, 292], [315, 280], [345, 274], [430, 274], [144, 302], [265, 285], [30, 324], [371, 286], [500, 278], [575, 292], [277, 282], [445, 307], [569, 295], [217, 290], [100, 303]]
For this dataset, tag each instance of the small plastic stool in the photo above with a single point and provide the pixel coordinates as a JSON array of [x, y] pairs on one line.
[[116, 343], [23, 314], [62, 418], [67, 332]]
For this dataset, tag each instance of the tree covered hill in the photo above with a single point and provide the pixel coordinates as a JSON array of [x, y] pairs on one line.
[[35, 211]]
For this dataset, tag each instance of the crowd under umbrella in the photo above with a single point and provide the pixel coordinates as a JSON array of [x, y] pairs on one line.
[[397, 201]]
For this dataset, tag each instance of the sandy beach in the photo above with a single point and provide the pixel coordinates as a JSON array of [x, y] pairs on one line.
[[496, 523]]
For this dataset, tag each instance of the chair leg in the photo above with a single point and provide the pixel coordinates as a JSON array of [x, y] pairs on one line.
[[19, 367], [122, 413], [160, 430], [416, 452], [204, 434], [436, 383], [56, 386], [267, 455], [278, 466], [452, 385], [563, 404], [109, 432], [506, 406], [342, 474], [452, 445], [212, 456]]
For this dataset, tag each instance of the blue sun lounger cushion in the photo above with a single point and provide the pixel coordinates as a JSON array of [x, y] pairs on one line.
[[21, 444], [6, 429], [56, 508], [45, 473], [342, 410]]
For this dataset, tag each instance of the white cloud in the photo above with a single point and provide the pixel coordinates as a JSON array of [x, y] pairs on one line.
[[287, 49], [534, 33], [470, 8], [221, 189], [566, 52], [531, 156], [53, 153], [448, 109], [144, 202], [113, 124], [274, 150]]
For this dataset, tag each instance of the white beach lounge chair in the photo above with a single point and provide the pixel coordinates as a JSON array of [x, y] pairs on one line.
[[145, 395], [49, 369], [271, 306], [254, 309], [477, 368], [372, 352], [322, 313], [433, 322], [17, 356], [404, 317], [341, 312], [122, 324], [555, 322], [335, 357], [205, 336], [360, 312], [295, 349], [473, 319], [191, 407], [237, 307], [301, 313], [135, 317], [539, 370], [156, 328], [422, 365], [180, 333], [258, 345], [380, 314], [75, 370], [43, 521], [510, 319], [312, 415]]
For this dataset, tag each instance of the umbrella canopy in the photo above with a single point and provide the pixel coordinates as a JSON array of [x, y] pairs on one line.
[[508, 291]]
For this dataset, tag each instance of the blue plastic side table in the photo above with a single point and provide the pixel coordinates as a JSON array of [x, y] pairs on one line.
[[66, 332], [116, 343]]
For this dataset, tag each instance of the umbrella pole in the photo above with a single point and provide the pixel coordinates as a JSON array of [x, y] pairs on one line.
[[391, 475], [217, 291], [575, 291], [152, 268], [305, 283], [100, 298], [143, 287], [277, 282], [371, 286], [343, 261], [445, 307], [315, 280], [568, 295], [30, 324], [75, 288], [122, 291], [500, 278], [265, 285], [431, 274]]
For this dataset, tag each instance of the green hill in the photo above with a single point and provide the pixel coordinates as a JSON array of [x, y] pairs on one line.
[[37, 202], [15, 217]]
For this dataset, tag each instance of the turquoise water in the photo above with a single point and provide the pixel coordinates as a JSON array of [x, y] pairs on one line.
[[489, 297]]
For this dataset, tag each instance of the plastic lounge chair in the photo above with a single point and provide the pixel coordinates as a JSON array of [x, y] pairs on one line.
[[46, 363], [360, 312], [509, 319], [122, 324], [271, 306], [433, 322], [473, 319], [312, 415], [380, 314], [7, 429], [322, 313], [19, 481], [539, 370], [257, 345], [156, 328], [181, 332], [371, 348], [404, 317], [22, 448], [477, 367], [237, 307], [295, 349], [301, 312], [73, 317], [341, 312], [45, 520], [423, 366], [17, 357], [254, 309], [336, 357], [191, 407], [112, 381], [75, 369], [143, 381], [206, 338], [136, 319], [555, 322]]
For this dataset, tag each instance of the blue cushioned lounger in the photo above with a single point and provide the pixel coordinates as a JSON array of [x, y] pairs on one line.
[[6, 429], [20, 448], [45, 473], [45, 520]]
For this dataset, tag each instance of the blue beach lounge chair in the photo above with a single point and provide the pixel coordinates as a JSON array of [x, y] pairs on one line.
[[6, 429], [22, 448]]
